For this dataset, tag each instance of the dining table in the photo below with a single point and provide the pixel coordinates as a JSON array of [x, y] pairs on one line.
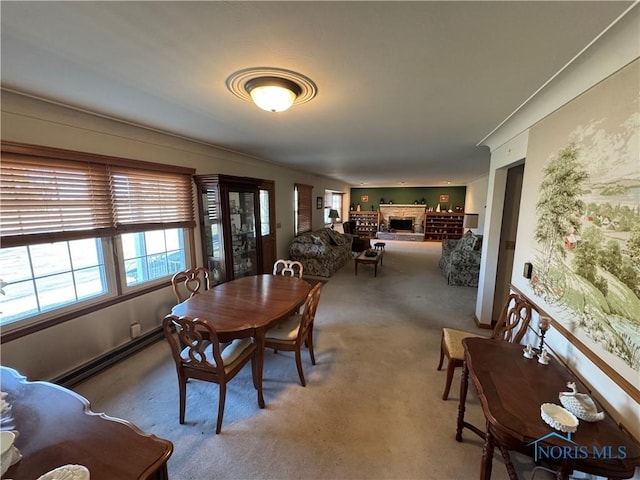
[[247, 307]]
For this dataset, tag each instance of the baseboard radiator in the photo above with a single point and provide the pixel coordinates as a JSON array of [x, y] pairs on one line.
[[105, 361]]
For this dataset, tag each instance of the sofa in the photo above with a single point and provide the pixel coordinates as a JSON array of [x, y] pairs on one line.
[[322, 252], [460, 260]]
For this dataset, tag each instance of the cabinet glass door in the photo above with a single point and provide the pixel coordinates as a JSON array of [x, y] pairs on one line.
[[243, 233], [213, 236]]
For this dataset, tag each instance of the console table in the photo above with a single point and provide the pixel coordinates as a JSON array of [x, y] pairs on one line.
[[56, 427], [511, 389]]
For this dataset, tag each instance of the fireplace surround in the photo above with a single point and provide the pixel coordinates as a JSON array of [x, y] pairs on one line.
[[401, 224]]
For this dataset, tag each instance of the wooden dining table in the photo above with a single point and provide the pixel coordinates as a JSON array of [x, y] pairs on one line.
[[247, 307]]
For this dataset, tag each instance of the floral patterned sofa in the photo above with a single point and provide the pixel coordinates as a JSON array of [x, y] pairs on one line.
[[321, 252], [460, 260]]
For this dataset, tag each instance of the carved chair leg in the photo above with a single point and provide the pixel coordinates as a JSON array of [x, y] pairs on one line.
[[310, 347], [299, 366], [221, 399], [441, 352], [451, 367], [182, 389]]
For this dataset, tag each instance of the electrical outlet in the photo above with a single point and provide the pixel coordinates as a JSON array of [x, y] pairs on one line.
[[135, 330]]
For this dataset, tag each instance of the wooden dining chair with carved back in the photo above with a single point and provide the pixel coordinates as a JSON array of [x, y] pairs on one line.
[[297, 331], [511, 327], [288, 267], [190, 282], [199, 355]]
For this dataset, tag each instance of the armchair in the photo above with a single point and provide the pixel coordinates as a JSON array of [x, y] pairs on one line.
[[460, 260], [359, 244]]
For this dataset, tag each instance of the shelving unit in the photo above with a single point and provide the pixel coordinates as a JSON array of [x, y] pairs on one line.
[[367, 223], [441, 225]]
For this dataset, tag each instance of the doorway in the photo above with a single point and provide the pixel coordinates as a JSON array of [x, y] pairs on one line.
[[508, 233]]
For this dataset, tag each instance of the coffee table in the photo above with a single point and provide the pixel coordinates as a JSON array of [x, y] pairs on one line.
[[374, 260]]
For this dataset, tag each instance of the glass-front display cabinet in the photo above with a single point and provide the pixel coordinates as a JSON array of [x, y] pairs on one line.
[[230, 225]]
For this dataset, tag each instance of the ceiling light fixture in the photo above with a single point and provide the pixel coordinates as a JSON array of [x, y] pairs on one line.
[[271, 89]]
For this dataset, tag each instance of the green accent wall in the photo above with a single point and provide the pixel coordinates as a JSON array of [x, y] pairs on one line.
[[408, 195]]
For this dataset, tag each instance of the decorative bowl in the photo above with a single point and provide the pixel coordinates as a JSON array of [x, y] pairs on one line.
[[67, 472], [6, 450], [582, 406], [558, 417]]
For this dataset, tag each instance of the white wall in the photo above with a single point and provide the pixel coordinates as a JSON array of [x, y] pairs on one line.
[[476, 201], [59, 349], [615, 49]]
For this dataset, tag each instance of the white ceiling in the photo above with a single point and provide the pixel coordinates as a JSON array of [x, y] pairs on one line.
[[405, 89]]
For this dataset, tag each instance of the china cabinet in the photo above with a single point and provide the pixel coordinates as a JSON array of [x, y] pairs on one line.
[[230, 225]]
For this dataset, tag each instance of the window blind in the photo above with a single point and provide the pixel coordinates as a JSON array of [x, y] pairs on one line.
[[46, 198], [304, 208], [150, 200], [46, 201]]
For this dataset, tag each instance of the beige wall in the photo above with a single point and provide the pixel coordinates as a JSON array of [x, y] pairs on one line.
[[57, 350], [615, 49]]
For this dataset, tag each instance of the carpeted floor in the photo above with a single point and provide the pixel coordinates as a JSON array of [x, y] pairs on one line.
[[371, 408]]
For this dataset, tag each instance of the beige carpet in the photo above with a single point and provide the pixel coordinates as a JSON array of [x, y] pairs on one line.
[[371, 408]]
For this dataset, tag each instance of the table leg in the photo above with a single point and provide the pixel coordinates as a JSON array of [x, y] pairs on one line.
[[511, 471], [375, 269], [464, 385], [487, 455], [356, 262], [260, 333]]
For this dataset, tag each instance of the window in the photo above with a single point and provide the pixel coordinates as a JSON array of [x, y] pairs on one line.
[[265, 226], [49, 276], [302, 208], [62, 214], [152, 255], [334, 200]]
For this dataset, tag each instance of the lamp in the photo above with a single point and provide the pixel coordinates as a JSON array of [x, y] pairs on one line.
[[470, 220], [273, 94], [333, 215], [271, 89]]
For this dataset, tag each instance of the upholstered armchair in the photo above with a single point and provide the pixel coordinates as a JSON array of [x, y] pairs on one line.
[[460, 260]]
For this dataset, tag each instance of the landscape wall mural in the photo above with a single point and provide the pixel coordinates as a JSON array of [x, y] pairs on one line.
[[582, 231]]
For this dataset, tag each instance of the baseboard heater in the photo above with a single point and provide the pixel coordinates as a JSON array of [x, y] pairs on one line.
[[105, 361]]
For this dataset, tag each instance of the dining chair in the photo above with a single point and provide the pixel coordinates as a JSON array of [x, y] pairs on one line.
[[511, 327], [189, 282], [204, 358], [288, 267], [297, 331]]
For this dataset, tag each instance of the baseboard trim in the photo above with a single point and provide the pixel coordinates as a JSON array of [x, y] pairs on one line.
[[481, 325], [105, 361]]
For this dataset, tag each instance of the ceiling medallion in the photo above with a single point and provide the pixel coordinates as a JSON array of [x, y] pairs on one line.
[[272, 89]]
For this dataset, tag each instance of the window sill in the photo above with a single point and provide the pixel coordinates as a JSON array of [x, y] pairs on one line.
[[57, 320]]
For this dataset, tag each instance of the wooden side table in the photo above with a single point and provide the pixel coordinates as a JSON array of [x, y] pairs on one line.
[[373, 260], [511, 389]]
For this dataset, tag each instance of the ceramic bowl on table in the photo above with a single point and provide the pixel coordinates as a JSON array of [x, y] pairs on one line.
[[67, 472]]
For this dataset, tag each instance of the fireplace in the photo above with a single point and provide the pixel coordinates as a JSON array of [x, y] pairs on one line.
[[401, 224]]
